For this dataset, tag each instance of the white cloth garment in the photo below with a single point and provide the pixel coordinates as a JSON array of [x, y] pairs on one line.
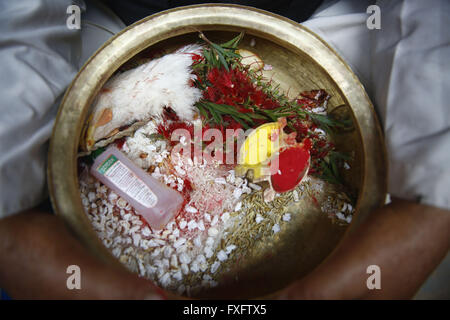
[[39, 57], [402, 67]]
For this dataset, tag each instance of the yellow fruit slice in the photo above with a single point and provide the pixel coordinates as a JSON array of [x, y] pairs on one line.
[[257, 149]]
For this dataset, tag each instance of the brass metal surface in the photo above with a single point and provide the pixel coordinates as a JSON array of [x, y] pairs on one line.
[[301, 61]]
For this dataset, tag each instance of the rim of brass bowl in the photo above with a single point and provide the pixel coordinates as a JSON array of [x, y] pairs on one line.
[[62, 168]]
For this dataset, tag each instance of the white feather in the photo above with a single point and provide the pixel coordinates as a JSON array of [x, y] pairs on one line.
[[142, 93]]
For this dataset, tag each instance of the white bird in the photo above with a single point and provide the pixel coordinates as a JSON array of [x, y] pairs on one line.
[[142, 93]]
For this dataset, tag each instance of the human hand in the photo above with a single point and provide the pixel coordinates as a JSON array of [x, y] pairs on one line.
[[35, 250], [405, 239]]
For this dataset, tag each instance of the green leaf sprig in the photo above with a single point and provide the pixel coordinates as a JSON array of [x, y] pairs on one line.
[[218, 111], [223, 55]]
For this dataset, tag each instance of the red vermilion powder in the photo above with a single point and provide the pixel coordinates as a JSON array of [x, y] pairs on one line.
[[292, 166]]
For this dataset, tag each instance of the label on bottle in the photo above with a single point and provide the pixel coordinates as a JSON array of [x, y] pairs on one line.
[[122, 177]]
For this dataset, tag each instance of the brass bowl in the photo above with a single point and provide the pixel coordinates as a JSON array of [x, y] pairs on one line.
[[301, 61]]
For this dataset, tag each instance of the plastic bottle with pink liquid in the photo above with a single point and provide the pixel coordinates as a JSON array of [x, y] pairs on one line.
[[156, 202]]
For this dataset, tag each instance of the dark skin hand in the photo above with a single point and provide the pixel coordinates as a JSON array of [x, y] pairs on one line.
[[35, 250], [405, 239]]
